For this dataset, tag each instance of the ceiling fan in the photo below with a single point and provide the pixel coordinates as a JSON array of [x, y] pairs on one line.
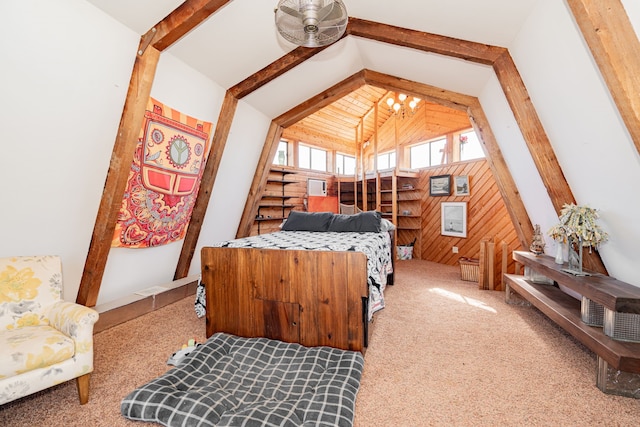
[[311, 23]]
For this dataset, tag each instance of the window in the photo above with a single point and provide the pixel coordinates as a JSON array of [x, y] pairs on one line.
[[470, 147], [281, 155], [345, 165], [428, 154], [387, 160], [312, 158]]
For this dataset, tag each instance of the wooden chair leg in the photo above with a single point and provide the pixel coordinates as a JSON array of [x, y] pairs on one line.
[[82, 383]]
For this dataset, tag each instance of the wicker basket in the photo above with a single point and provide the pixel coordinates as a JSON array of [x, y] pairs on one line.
[[469, 268]]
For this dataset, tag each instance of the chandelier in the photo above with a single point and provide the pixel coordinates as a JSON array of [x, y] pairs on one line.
[[397, 105]]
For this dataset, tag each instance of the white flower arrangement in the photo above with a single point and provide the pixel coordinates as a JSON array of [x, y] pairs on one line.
[[578, 223]]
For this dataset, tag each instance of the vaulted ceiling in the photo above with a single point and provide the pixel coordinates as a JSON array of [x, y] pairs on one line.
[[240, 39], [447, 51]]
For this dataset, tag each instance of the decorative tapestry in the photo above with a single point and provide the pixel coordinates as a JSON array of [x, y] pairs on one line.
[[164, 178]]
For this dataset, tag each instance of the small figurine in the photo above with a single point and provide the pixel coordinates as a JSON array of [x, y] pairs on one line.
[[537, 245]]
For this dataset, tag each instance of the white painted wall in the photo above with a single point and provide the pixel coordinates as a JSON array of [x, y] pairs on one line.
[[632, 7], [516, 154], [586, 131], [64, 73], [237, 168], [63, 79], [130, 270]]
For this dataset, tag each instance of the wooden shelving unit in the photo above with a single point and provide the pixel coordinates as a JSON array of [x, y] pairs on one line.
[[351, 192], [400, 204], [396, 195], [274, 206], [346, 190]]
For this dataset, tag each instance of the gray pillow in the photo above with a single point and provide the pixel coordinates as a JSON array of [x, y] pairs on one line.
[[386, 225], [307, 221], [364, 221]]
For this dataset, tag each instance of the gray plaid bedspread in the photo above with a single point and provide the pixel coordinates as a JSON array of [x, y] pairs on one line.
[[233, 381]]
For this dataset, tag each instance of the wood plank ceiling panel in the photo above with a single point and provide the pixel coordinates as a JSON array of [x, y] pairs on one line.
[[339, 119]]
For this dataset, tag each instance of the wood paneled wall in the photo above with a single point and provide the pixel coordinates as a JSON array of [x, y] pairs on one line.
[[487, 218], [429, 121], [297, 191]]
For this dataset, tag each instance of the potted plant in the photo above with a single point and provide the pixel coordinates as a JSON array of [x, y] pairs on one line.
[[578, 228]]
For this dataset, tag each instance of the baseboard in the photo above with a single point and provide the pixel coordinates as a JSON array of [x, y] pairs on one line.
[[130, 307]]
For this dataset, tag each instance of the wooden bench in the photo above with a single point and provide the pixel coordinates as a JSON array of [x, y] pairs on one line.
[[618, 370]]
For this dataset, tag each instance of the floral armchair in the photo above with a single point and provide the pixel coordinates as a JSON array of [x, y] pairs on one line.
[[44, 340]]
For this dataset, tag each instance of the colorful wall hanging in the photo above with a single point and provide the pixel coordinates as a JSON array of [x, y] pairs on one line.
[[164, 178]]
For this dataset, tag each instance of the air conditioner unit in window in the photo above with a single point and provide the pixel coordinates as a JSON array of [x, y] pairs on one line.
[[317, 187]]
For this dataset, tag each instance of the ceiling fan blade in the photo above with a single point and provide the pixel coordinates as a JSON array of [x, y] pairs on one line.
[[290, 11], [330, 12]]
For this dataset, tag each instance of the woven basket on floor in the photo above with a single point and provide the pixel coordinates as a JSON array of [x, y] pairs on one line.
[[469, 268]]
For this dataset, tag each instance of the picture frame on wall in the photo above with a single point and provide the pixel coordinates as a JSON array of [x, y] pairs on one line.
[[453, 219], [440, 185], [461, 185]]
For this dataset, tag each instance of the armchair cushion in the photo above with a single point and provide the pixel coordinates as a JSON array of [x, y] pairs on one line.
[[33, 347]]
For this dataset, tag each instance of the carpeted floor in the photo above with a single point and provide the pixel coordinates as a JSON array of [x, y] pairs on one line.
[[443, 353]]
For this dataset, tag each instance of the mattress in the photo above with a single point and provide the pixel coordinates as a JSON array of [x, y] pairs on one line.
[[233, 381]]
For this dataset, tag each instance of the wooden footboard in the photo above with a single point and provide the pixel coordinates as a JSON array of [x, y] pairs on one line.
[[309, 297]]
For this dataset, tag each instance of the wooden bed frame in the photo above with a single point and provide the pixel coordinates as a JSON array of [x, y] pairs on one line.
[[310, 297]]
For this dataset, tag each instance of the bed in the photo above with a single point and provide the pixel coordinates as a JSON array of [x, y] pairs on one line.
[[233, 381], [316, 282]]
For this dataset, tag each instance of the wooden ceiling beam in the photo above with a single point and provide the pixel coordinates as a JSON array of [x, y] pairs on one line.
[[504, 181], [259, 179], [614, 45], [218, 142], [144, 69], [426, 42], [430, 93], [313, 137], [274, 70], [321, 100], [183, 19]]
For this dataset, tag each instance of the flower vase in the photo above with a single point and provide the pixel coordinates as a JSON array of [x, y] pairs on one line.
[[559, 253], [575, 257]]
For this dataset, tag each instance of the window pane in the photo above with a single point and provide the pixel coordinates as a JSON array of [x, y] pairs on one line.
[[349, 165], [437, 152], [383, 161], [345, 165], [304, 156], [318, 160], [392, 159], [419, 156], [281, 155], [470, 147]]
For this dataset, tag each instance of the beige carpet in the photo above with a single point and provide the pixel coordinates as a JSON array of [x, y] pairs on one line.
[[443, 353]]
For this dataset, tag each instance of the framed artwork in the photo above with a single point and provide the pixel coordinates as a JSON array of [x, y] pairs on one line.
[[461, 185], [453, 219], [440, 185]]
